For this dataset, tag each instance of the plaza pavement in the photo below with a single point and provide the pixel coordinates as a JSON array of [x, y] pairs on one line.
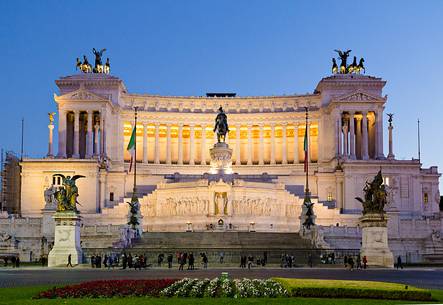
[[27, 276]]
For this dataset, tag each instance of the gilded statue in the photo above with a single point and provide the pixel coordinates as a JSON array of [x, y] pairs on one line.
[[375, 198], [51, 117], [221, 127], [67, 195]]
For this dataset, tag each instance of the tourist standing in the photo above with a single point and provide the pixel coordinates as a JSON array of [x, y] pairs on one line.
[[105, 261], [191, 261], [124, 260], [345, 261], [92, 261], [169, 260], [17, 262], [365, 262], [221, 257], [130, 262], [181, 261], [69, 264], [310, 263], [205, 261], [399, 262]]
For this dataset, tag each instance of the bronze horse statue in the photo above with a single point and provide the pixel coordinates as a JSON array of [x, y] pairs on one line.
[[221, 125]]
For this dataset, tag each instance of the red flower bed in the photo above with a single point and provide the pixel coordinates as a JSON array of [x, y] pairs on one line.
[[106, 289]]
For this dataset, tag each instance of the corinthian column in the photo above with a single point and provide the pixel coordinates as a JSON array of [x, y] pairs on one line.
[[157, 147], [296, 159], [345, 140], [168, 144], [62, 134], [96, 129], [76, 134], [272, 143], [145, 143], [89, 148], [50, 143], [249, 145], [203, 145], [192, 145], [237, 145], [284, 145], [180, 144], [351, 135], [379, 134], [261, 147], [365, 155]]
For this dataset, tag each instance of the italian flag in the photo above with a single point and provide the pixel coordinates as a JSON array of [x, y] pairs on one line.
[[131, 146], [306, 148]]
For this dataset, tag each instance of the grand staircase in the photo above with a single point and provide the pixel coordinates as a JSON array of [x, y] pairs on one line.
[[232, 244]]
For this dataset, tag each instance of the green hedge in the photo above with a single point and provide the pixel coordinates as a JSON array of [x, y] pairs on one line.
[[353, 289]]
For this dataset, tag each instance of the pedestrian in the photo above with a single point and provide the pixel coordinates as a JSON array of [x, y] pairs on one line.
[[191, 261], [205, 261], [124, 261], [310, 263], [69, 264], [351, 263], [265, 257], [221, 257], [250, 261], [181, 262], [17, 262], [399, 262], [345, 261], [92, 261], [358, 261], [105, 261], [130, 261], [169, 260], [365, 261], [160, 259]]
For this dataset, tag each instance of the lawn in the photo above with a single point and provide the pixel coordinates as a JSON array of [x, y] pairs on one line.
[[23, 296]]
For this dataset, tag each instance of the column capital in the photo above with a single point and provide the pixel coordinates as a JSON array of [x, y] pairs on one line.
[[284, 124]]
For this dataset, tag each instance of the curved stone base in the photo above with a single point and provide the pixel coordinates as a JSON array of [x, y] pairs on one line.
[[66, 240], [221, 159], [375, 240]]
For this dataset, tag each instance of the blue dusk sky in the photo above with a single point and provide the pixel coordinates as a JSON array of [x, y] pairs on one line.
[[248, 47]]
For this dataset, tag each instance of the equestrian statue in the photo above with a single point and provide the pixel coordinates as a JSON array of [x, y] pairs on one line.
[[221, 127]]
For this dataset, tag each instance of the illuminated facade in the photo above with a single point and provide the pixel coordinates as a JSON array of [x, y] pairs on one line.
[[174, 135]]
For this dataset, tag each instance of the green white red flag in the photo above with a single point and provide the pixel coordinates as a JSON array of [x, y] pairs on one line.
[[131, 147]]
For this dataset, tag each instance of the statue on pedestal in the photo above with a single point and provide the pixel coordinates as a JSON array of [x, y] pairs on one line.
[[98, 67], [51, 117], [374, 224], [221, 125], [375, 196], [67, 195], [343, 57]]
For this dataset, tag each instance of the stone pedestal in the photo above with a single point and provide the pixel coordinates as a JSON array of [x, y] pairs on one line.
[[221, 159], [375, 240], [66, 240]]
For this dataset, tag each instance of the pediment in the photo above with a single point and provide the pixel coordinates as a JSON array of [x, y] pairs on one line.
[[359, 96], [81, 95]]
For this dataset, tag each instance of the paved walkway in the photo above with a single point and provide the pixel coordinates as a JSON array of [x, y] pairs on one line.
[[421, 277]]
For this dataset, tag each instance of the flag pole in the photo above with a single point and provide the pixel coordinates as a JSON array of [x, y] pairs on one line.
[[307, 154], [135, 153], [418, 138]]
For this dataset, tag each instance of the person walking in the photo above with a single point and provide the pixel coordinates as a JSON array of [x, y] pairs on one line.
[[365, 262], [250, 261], [345, 261], [399, 262], [181, 262], [69, 264], [92, 261], [221, 257], [351, 263], [358, 261]]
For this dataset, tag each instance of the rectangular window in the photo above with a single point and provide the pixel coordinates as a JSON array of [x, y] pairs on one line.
[[425, 198], [111, 196], [330, 198]]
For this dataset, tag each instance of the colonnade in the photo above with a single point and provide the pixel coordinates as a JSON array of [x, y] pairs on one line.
[[81, 134], [359, 135], [253, 144]]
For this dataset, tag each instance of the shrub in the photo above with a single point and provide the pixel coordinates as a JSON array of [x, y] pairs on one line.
[[110, 288], [353, 289]]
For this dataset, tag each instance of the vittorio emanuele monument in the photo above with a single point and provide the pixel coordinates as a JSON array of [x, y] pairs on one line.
[[222, 172]]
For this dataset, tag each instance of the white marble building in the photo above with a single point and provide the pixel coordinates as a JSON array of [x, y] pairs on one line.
[[174, 134]]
